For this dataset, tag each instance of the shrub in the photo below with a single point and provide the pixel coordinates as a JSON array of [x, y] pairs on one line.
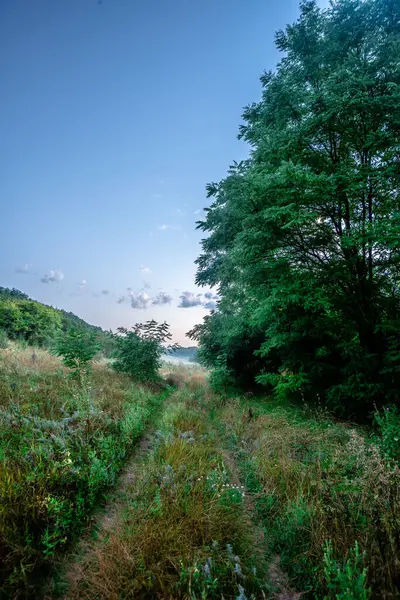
[[139, 351], [77, 349]]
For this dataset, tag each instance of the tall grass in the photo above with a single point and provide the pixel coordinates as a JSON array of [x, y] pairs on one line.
[[61, 446], [327, 496], [185, 531]]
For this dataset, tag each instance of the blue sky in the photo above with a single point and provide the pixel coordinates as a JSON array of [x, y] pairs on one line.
[[114, 116]]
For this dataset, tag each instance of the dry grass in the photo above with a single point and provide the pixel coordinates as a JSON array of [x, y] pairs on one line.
[[178, 516], [194, 377], [315, 480]]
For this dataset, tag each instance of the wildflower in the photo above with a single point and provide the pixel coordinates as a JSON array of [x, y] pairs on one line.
[[242, 595], [238, 570], [214, 544], [229, 549]]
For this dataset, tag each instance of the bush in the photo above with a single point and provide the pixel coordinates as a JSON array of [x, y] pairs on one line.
[[77, 349], [139, 352]]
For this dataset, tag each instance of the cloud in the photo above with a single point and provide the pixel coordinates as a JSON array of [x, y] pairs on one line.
[[121, 299], [198, 211], [162, 298], [188, 300], [82, 283], [208, 295], [168, 227], [105, 292], [139, 300], [146, 270], [210, 305], [24, 269], [52, 276], [146, 285]]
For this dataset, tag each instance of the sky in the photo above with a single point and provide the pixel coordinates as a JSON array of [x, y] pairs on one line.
[[115, 114]]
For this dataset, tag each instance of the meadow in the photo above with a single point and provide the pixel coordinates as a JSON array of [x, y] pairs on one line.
[[110, 489]]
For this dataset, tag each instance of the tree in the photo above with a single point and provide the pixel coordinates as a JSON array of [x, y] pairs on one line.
[[303, 236], [138, 353], [77, 349]]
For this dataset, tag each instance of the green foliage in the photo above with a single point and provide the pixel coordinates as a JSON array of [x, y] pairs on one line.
[[26, 320], [139, 351], [29, 320], [388, 422], [223, 382], [303, 236], [3, 339], [347, 582], [77, 350]]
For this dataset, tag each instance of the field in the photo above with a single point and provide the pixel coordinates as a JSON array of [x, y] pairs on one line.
[[222, 498]]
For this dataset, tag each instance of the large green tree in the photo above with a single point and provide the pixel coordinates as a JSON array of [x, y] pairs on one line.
[[304, 237]]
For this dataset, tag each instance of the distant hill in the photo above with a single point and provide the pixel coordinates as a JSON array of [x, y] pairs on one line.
[[188, 353], [25, 319]]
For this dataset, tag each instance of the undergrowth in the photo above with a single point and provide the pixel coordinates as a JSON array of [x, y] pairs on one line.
[[62, 443], [327, 496]]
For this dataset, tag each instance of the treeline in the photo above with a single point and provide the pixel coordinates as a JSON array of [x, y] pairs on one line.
[[24, 319], [303, 237]]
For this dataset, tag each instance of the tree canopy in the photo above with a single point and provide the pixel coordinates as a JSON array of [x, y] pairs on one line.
[[303, 237]]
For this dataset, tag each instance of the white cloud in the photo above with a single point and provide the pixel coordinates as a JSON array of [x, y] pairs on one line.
[[162, 298], [139, 300], [82, 283], [121, 299], [198, 211], [105, 292], [188, 300], [146, 270], [52, 276], [24, 269], [208, 295]]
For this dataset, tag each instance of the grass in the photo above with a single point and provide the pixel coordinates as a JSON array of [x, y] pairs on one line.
[[185, 530], [231, 498], [327, 497], [61, 446]]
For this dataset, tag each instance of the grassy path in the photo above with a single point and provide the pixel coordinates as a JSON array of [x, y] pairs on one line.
[[182, 524], [236, 500]]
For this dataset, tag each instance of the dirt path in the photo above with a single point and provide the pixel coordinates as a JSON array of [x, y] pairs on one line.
[[104, 520]]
